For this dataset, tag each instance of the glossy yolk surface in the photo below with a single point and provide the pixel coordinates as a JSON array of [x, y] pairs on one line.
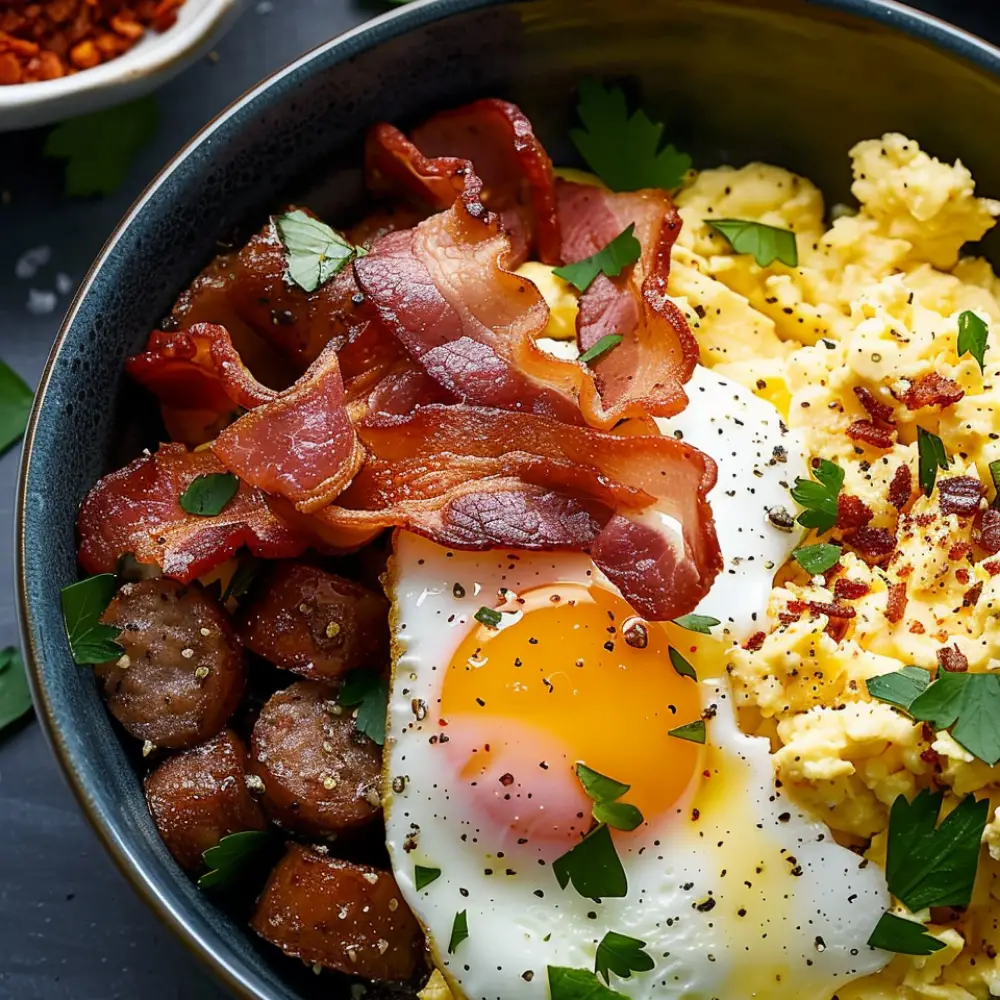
[[555, 684]]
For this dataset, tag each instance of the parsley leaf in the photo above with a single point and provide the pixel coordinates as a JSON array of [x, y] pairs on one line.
[[597, 350], [681, 665], [819, 497], [231, 856], [899, 688], [623, 250], [766, 243], [620, 815], [368, 691], [972, 336], [83, 603], [459, 931], [208, 495], [15, 698], [905, 937], [931, 456], [995, 476], [313, 251], [925, 866], [422, 877], [694, 732], [488, 617], [816, 559], [970, 705], [577, 984], [15, 405], [99, 148], [605, 792], [621, 954], [593, 866], [623, 149], [697, 623]]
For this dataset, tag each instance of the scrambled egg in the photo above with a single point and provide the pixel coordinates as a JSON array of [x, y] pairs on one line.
[[874, 302]]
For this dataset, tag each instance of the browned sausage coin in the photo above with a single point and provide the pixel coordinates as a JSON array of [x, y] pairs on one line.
[[321, 776], [339, 915], [182, 673]]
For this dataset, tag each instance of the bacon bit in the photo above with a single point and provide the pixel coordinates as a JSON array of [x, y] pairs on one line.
[[960, 495], [755, 642], [850, 590], [952, 659], [896, 603], [881, 413], [866, 431], [831, 610], [931, 757], [962, 575], [991, 566], [972, 595], [901, 487], [917, 628], [836, 629], [931, 390], [793, 611], [987, 535], [927, 733], [959, 551], [874, 544], [852, 511]]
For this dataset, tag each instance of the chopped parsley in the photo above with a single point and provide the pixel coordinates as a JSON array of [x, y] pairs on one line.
[[314, 252], [973, 334], [597, 350], [83, 603], [995, 476], [681, 665], [899, 688], [208, 495], [905, 937], [15, 405], [819, 558], [622, 251], [422, 877], [367, 691], [931, 457], [459, 931], [968, 704], [593, 867], [577, 984], [229, 859], [697, 623], [488, 617], [766, 243], [15, 698], [605, 793], [622, 955], [819, 496], [694, 732], [624, 150]]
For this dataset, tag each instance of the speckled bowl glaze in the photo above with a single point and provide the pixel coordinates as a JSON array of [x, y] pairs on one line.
[[794, 81]]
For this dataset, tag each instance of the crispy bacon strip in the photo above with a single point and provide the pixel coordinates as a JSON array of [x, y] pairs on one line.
[[137, 509], [646, 372], [497, 141]]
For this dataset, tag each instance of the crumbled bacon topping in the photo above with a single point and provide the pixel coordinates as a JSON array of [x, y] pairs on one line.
[[755, 641], [870, 434], [831, 610], [988, 531], [901, 487], [896, 603], [952, 659], [849, 590], [852, 511], [873, 544], [931, 390], [971, 597], [881, 413], [960, 495]]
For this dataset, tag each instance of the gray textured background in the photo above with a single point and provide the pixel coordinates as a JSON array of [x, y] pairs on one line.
[[70, 926]]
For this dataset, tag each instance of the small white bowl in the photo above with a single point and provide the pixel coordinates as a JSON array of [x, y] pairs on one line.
[[148, 64]]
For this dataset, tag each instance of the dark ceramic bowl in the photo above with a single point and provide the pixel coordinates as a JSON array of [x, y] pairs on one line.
[[791, 81]]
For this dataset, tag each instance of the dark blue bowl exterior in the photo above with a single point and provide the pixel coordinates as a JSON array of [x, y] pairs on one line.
[[793, 81]]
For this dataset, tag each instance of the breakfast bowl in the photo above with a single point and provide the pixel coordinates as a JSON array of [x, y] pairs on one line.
[[156, 58], [791, 82]]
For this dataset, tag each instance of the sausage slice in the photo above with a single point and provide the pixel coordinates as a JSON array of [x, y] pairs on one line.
[[183, 671], [339, 915], [321, 776], [200, 796], [315, 623]]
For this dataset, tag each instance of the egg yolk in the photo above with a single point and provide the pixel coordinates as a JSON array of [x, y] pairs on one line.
[[569, 675]]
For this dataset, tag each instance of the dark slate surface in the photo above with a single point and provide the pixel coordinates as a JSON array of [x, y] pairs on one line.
[[70, 926]]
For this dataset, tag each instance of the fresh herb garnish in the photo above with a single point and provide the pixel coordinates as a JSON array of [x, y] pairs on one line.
[[577, 984], [905, 937], [692, 731], [422, 877], [597, 350], [231, 856], [488, 617], [313, 251], [697, 623], [681, 666], [83, 603], [15, 405], [208, 495], [99, 148], [931, 456], [972, 336], [623, 250], [899, 688], [928, 866], [819, 496], [15, 698], [605, 793], [623, 149], [970, 705], [459, 931], [593, 866], [368, 692], [622, 955], [766, 243], [819, 558], [995, 476]]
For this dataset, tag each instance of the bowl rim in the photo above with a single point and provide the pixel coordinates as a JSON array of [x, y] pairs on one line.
[[241, 981]]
